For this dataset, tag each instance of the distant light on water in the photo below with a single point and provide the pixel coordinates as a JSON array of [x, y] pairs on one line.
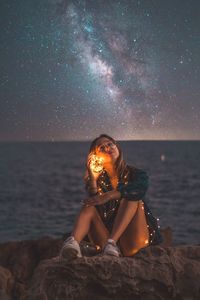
[[162, 157]]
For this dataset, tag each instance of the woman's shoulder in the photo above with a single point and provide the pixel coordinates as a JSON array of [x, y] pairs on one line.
[[136, 170]]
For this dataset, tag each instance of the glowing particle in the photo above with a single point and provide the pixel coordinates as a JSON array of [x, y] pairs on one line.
[[162, 157]]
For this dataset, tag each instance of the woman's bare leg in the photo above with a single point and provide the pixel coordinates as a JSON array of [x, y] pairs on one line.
[[130, 227], [89, 222], [98, 233], [125, 213]]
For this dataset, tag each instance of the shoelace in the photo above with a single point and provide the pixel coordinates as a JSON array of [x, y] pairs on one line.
[[113, 244], [69, 239]]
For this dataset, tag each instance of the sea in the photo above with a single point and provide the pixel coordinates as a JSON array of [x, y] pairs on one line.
[[41, 186]]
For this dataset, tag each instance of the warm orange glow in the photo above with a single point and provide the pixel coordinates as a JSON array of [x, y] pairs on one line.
[[134, 251], [97, 163]]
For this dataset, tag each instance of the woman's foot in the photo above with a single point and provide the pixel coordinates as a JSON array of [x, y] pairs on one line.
[[70, 249], [111, 248]]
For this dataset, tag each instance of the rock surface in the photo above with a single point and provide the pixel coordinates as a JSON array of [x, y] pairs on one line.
[[153, 273], [6, 283], [21, 259]]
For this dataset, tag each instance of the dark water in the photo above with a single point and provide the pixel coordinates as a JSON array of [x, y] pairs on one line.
[[41, 186]]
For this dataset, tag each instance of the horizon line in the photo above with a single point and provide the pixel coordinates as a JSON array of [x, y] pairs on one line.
[[70, 141]]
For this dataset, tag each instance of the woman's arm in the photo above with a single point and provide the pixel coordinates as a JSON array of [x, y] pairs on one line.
[[111, 195], [91, 186], [101, 199]]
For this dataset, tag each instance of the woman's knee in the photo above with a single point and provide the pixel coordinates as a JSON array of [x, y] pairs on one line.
[[131, 204], [132, 251], [129, 249], [88, 210], [129, 252]]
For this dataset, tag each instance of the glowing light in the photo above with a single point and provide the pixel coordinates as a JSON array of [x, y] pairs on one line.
[[97, 66], [162, 157], [88, 28], [97, 163]]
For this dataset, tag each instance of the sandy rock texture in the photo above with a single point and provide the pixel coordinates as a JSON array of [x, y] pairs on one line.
[[31, 270], [153, 273]]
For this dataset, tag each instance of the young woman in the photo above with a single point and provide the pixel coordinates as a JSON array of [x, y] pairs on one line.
[[115, 216]]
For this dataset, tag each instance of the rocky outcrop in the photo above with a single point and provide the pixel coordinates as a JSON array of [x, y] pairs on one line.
[[6, 284], [30, 269], [153, 273], [20, 258]]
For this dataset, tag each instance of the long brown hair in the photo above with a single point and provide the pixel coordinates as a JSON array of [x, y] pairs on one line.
[[120, 164]]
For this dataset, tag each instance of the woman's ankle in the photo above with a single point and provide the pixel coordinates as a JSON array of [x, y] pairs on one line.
[[75, 238], [110, 240]]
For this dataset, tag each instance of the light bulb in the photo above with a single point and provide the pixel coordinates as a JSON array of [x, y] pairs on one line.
[[97, 163]]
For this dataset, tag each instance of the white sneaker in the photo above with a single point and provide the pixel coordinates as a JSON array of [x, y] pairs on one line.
[[111, 248], [70, 249]]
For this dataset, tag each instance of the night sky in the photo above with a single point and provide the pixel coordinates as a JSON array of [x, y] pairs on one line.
[[71, 70]]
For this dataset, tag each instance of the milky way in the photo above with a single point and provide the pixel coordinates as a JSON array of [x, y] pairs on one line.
[[75, 69]]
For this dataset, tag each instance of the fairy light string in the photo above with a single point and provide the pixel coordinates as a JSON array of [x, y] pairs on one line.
[[104, 185]]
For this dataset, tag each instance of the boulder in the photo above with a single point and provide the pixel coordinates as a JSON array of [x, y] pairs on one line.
[[153, 273], [19, 260], [6, 284]]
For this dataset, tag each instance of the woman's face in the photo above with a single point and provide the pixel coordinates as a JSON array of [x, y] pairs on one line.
[[107, 149]]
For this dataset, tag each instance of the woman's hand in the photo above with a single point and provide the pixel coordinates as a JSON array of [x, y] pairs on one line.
[[96, 200], [101, 199]]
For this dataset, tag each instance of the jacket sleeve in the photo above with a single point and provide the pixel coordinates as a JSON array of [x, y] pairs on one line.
[[135, 189]]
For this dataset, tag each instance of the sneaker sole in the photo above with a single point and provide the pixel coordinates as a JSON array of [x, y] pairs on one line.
[[112, 254], [69, 253]]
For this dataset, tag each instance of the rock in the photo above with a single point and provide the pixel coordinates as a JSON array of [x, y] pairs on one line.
[[6, 284], [153, 273], [22, 257]]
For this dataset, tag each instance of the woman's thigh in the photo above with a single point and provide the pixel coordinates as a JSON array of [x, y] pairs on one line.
[[136, 235], [98, 233]]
